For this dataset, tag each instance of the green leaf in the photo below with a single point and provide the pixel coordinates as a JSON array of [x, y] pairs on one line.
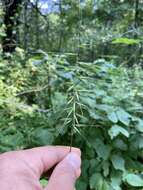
[[88, 101], [117, 130], [96, 181], [102, 150], [95, 163], [43, 182], [127, 41], [134, 180], [100, 93], [12, 140], [93, 114], [133, 165], [113, 117], [66, 75], [43, 137], [120, 144], [118, 162], [58, 100], [116, 179], [104, 107], [123, 116], [2, 34], [105, 186], [140, 142], [105, 167], [139, 126], [81, 184]]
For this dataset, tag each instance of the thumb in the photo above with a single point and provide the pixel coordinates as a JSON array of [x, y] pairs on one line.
[[65, 173]]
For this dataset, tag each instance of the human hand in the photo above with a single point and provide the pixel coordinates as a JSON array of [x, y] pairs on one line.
[[21, 170]]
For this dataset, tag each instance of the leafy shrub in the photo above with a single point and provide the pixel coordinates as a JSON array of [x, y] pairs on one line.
[[48, 99]]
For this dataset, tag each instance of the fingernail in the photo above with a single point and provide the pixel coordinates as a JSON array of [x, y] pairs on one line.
[[74, 160]]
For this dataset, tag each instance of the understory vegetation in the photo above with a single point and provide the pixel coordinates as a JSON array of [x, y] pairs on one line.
[[76, 75], [101, 102]]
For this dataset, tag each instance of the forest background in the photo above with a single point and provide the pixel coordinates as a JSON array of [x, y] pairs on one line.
[[71, 73]]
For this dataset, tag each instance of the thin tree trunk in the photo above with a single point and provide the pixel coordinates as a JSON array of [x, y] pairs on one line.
[[136, 25], [25, 26], [37, 26], [61, 27], [9, 41], [136, 14]]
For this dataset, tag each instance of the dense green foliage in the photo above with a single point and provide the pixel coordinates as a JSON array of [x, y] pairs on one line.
[[81, 77], [102, 103]]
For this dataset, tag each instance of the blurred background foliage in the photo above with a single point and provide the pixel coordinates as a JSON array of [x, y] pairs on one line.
[[75, 68]]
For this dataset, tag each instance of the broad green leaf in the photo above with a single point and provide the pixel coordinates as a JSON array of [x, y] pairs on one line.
[[58, 100], [113, 117], [123, 116], [133, 165], [105, 186], [102, 150], [117, 130], [96, 181], [116, 179], [120, 144], [134, 180], [118, 162], [81, 184]]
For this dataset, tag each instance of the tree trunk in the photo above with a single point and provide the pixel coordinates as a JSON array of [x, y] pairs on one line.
[[9, 41], [37, 26], [136, 14], [25, 25]]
